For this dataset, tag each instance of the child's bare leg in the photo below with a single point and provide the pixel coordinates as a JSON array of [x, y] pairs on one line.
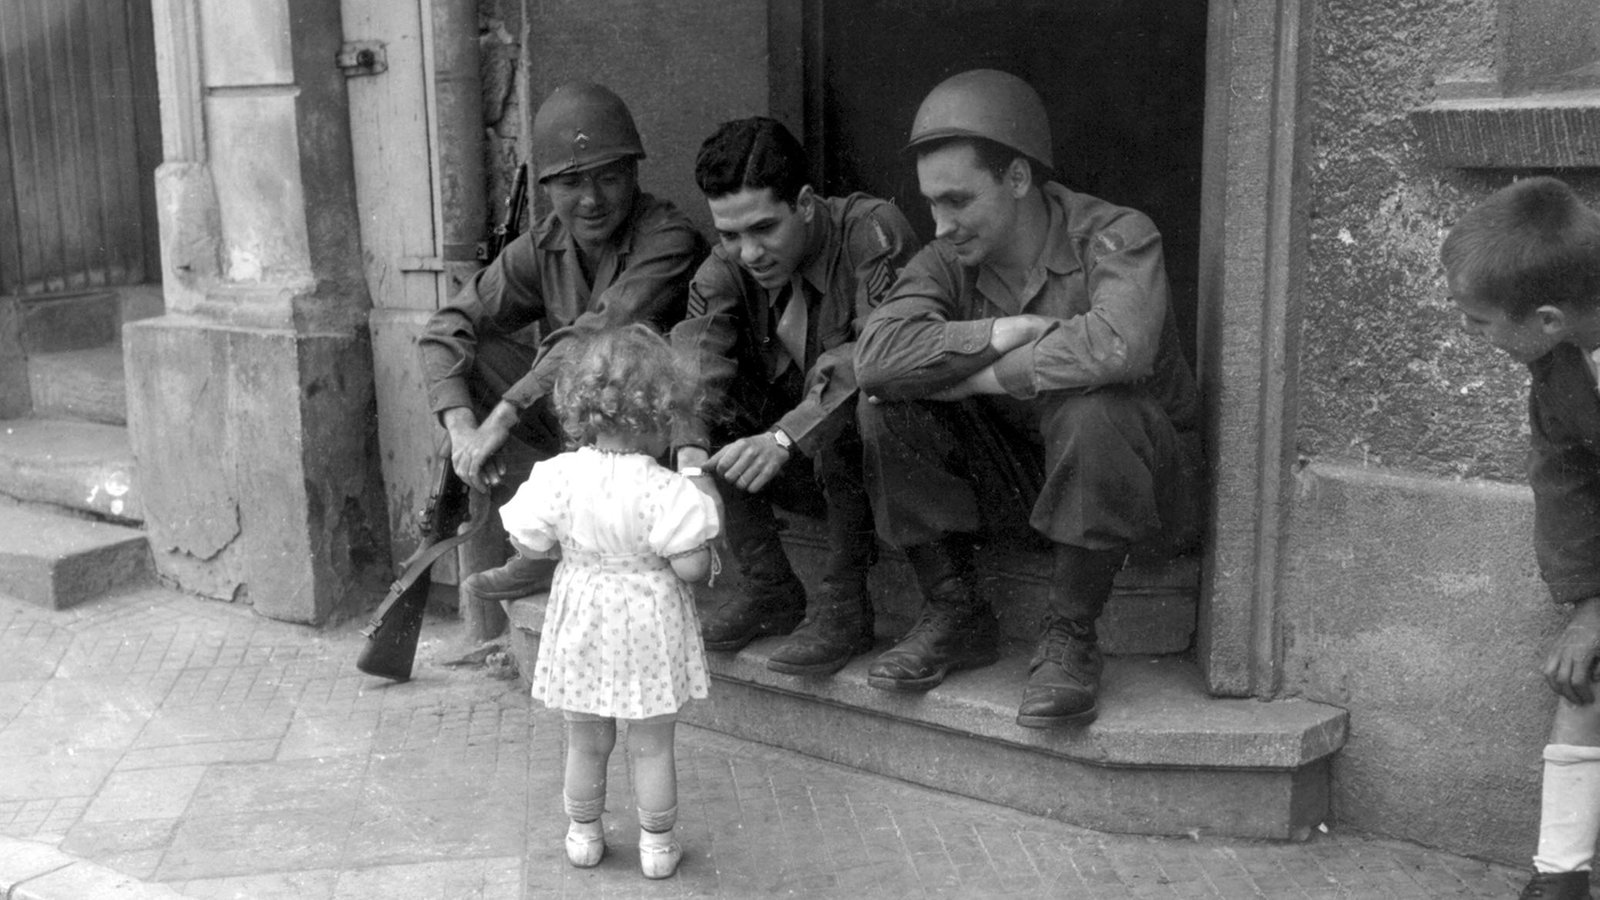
[[655, 765], [655, 791], [590, 740], [1569, 815]]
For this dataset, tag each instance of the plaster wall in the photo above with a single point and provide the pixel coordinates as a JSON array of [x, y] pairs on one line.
[[1409, 593], [1387, 377], [1417, 607]]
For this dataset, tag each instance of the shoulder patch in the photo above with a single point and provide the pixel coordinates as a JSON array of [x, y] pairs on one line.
[[1106, 243]]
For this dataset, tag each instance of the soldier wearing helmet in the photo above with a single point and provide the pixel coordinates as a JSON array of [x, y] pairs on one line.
[[1023, 379], [607, 254]]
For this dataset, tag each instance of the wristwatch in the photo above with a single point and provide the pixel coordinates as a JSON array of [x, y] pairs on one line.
[[783, 440]]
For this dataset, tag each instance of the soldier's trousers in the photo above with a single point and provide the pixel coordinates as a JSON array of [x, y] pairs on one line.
[[1101, 470]]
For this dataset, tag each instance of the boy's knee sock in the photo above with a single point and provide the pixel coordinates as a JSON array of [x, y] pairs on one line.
[[658, 822], [584, 810], [1569, 815]]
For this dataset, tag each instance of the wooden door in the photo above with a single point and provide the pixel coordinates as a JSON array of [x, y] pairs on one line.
[[397, 196], [80, 137]]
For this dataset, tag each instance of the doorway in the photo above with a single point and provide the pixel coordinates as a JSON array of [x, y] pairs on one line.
[[1123, 81]]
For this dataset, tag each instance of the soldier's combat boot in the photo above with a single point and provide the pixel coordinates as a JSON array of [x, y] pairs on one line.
[[773, 600], [839, 618], [838, 625], [1557, 886], [957, 629], [1063, 677], [518, 578]]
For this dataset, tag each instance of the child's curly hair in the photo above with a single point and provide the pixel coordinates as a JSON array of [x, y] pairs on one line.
[[623, 380]]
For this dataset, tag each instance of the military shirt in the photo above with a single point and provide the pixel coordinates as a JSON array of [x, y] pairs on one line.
[[642, 275], [1101, 275], [1564, 471], [858, 244]]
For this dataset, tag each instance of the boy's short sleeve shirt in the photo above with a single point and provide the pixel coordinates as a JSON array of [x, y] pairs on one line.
[[1564, 472]]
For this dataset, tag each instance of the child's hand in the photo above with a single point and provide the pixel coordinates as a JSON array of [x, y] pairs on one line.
[[1569, 670]]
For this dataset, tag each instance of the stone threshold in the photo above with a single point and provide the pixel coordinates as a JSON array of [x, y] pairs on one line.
[[1163, 757]]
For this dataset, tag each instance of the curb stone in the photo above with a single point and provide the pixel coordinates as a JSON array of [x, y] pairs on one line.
[[33, 871]]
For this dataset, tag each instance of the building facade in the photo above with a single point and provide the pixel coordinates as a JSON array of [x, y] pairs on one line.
[[323, 189]]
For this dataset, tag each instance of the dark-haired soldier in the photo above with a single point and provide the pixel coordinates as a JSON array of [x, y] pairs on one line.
[[607, 254], [771, 328], [1025, 371]]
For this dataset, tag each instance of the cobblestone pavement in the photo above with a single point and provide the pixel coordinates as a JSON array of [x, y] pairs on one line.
[[192, 744]]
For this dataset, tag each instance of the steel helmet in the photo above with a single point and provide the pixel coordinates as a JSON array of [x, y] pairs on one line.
[[986, 103], [580, 126]]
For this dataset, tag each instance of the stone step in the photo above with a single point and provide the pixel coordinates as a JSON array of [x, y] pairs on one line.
[[57, 560], [83, 466], [1163, 757], [55, 322], [80, 384]]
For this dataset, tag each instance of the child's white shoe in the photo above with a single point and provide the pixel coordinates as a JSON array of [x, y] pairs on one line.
[[586, 843], [659, 854]]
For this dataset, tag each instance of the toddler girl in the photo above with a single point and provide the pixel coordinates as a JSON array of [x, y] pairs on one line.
[[620, 638]]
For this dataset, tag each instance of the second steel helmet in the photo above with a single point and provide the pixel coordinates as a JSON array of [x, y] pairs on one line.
[[985, 103], [580, 126]]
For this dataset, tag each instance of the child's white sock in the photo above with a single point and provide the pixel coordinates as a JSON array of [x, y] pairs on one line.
[[583, 810], [1569, 815], [659, 851]]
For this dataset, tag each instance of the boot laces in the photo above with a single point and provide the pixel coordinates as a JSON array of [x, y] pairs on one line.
[[939, 618], [1061, 645]]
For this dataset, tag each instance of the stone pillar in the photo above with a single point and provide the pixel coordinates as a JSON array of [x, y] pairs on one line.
[[250, 404]]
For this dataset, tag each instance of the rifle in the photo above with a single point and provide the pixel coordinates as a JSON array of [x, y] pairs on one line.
[[392, 631], [516, 205]]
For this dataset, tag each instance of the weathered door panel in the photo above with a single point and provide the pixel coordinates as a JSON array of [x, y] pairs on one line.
[[79, 133], [390, 116]]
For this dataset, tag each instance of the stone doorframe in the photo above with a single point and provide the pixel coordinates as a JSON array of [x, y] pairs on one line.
[[1252, 264]]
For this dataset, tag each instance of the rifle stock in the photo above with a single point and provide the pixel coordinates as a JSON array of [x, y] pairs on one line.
[[392, 631]]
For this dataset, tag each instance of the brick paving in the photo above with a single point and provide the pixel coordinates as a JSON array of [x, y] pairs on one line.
[[191, 744]]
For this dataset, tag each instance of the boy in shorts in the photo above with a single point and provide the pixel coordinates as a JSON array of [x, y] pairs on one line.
[[1523, 268]]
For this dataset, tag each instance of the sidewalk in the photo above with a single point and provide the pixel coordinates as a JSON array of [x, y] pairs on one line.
[[157, 745]]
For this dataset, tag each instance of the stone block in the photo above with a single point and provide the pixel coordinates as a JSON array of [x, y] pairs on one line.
[[81, 466], [80, 384], [261, 464], [57, 561], [1416, 604], [69, 322]]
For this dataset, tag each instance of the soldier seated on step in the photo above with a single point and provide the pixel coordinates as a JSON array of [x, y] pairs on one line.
[[607, 254], [1023, 374], [770, 333]]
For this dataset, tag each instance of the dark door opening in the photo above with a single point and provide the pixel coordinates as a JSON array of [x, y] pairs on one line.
[[1123, 80]]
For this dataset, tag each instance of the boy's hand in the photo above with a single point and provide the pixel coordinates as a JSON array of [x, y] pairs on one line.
[[1569, 670]]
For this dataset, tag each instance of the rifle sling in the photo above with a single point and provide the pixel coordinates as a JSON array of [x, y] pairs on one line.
[[421, 561]]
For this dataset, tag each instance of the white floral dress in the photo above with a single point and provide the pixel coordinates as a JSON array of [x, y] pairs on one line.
[[620, 633]]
